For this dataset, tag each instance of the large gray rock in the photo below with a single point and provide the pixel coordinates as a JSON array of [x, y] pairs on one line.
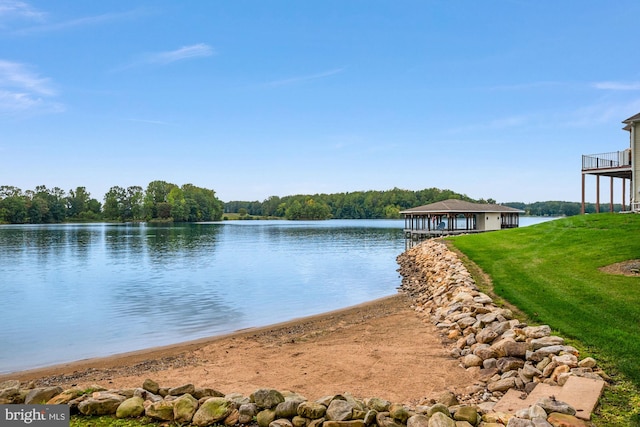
[[131, 408], [441, 420], [339, 410], [212, 410], [537, 331], [267, 398], [448, 398], [466, 413], [101, 403], [41, 395], [516, 349], [12, 395], [505, 364], [551, 405], [151, 386], [184, 408], [287, 409], [471, 360], [487, 335], [399, 413], [378, 404], [418, 420], [65, 397], [246, 412], [200, 392], [312, 410], [162, 410], [385, 421], [266, 417], [183, 389], [501, 385], [438, 407], [538, 343]]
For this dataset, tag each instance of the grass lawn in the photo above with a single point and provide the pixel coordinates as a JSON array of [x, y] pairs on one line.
[[551, 272]]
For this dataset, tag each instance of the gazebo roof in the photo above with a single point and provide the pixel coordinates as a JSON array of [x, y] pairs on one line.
[[459, 206]]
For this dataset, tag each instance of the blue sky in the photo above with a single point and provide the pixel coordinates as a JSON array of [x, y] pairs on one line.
[[495, 99]]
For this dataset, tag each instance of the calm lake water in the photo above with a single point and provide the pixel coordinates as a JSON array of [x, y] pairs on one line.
[[76, 291]]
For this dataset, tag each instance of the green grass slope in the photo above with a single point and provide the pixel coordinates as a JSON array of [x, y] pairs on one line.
[[551, 272]]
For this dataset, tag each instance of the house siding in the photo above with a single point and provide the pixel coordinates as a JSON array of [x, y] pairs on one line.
[[635, 139]]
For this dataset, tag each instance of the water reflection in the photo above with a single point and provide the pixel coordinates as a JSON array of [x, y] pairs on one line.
[[77, 291]]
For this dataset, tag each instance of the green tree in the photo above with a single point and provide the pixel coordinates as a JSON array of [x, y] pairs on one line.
[[157, 192], [14, 210], [114, 204], [77, 201]]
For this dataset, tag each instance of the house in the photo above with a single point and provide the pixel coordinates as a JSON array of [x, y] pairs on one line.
[[623, 165], [456, 217]]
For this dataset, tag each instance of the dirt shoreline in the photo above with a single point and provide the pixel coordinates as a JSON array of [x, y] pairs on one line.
[[379, 348]]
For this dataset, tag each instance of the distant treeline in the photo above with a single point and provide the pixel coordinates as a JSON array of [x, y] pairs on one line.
[[161, 201], [557, 208], [355, 205]]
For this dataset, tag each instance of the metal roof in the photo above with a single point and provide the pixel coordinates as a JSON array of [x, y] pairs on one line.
[[632, 119], [460, 206]]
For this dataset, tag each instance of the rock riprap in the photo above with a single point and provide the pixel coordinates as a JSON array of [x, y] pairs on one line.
[[273, 408], [486, 338]]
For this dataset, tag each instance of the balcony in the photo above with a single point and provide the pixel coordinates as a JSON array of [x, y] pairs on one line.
[[616, 164]]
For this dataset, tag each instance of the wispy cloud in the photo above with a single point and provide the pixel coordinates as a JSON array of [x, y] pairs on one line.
[[151, 122], [185, 52], [84, 21], [16, 75], [198, 50], [305, 78], [526, 86], [617, 85], [603, 112], [23, 90], [15, 9]]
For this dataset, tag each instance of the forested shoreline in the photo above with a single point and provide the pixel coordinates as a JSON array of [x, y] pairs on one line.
[[160, 201], [167, 202]]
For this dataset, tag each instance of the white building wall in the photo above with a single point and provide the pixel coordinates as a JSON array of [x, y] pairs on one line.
[[635, 162], [489, 221]]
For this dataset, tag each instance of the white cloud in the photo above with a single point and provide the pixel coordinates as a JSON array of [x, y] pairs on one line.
[[14, 9], [23, 90], [300, 79], [185, 52], [164, 58], [617, 85], [79, 22], [16, 75]]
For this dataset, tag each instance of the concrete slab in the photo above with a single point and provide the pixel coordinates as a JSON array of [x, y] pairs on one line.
[[581, 393]]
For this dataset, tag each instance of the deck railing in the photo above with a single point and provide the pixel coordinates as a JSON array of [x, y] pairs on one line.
[[615, 159]]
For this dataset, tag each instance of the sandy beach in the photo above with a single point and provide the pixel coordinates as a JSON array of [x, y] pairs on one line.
[[380, 348]]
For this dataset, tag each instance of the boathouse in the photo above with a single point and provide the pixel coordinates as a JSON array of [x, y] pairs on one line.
[[457, 217], [623, 165]]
